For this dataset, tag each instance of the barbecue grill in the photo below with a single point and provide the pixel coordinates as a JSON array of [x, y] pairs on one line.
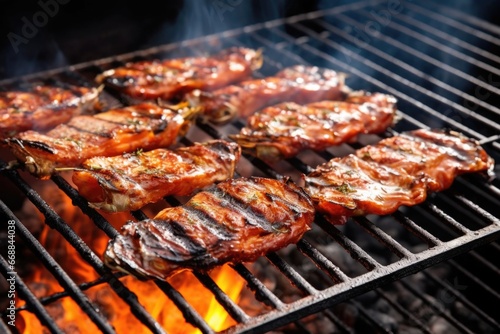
[[438, 63]]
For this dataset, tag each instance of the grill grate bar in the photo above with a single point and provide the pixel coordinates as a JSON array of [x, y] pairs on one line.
[[436, 307], [448, 288], [443, 216], [87, 254], [262, 293], [4, 328], [374, 322], [473, 278], [84, 286], [28, 296], [403, 80], [320, 260], [58, 273], [299, 281], [432, 112], [485, 263], [229, 305], [413, 70], [449, 38], [356, 252], [423, 234], [442, 47], [456, 23], [478, 209], [82, 203], [402, 310], [383, 237], [189, 313]]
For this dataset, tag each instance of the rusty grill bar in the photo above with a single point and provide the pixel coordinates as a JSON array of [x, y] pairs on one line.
[[449, 224]]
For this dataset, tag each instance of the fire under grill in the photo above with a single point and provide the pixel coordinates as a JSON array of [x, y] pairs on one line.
[[443, 71]]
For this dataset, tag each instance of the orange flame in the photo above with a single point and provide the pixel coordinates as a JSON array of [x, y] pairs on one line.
[[69, 316]]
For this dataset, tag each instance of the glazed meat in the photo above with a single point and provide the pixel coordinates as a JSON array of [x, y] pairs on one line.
[[299, 84], [234, 221], [114, 132], [350, 186], [42, 107], [284, 130], [130, 181], [440, 156], [173, 77], [397, 171]]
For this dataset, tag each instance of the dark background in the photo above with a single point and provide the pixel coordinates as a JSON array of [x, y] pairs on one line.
[[86, 30]]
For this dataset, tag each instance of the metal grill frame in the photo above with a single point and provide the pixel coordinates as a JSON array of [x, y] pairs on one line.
[[345, 287]]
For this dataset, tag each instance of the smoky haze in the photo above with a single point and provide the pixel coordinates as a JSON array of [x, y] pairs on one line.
[[45, 34]]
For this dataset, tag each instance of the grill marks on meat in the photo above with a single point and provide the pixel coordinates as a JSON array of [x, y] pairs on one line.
[[173, 77], [146, 126], [130, 181], [284, 130], [42, 107], [234, 221], [299, 84], [397, 171]]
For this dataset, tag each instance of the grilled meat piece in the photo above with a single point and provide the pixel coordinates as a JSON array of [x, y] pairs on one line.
[[284, 130], [110, 133], [170, 78], [299, 84], [350, 186], [42, 107], [397, 171], [130, 181], [234, 221], [440, 156]]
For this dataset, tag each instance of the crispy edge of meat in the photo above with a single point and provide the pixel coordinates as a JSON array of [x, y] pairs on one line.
[[40, 159], [191, 237]]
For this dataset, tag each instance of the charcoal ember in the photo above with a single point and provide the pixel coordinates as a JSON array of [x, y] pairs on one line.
[[439, 325], [388, 322]]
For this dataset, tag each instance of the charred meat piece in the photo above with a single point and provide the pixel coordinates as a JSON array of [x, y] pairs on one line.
[[284, 130], [299, 84], [170, 78], [234, 221], [42, 107], [130, 181], [114, 132], [440, 156], [397, 171]]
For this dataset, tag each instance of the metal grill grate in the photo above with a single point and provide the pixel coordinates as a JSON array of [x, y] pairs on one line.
[[443, 75]]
